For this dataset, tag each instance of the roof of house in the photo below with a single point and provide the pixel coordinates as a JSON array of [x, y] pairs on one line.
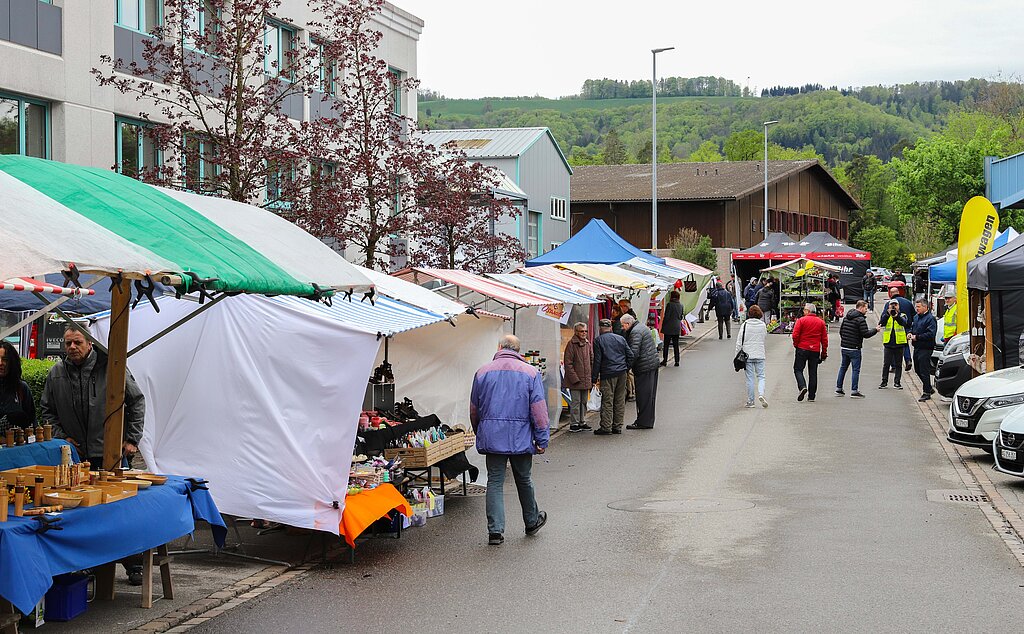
[[492, 143], [723, 180]]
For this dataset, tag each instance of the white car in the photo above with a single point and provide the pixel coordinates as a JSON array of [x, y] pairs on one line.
[[981, 404], [1008, 447]]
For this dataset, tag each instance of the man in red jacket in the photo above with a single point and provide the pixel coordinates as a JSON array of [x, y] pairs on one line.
[[810, 338]]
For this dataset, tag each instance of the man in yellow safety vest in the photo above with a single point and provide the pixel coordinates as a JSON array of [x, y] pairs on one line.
[[894, 342], [949, 317]]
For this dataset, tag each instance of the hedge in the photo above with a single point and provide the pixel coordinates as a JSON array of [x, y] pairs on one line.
[[33, 372]]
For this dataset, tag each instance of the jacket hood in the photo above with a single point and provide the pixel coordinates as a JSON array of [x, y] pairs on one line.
[[505, 353]]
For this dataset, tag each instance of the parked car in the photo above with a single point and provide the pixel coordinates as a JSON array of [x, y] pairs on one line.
[[1008, 447], [981, 404], [883, 276], [951, 365]]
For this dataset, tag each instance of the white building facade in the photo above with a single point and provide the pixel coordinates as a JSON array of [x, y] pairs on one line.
[[51, 106]]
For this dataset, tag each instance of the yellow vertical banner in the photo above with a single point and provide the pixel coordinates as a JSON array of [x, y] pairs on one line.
[[979, 224]]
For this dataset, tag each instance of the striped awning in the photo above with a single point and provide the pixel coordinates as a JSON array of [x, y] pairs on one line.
[[566, 279], [668, 271], [539, 286], [478, 284], [615, 276], [385, 316], [54, 215], [35, 286]]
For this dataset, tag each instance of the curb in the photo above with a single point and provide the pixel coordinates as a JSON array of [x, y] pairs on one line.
[[1005, 520]]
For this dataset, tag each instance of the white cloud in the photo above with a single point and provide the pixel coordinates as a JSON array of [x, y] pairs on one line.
[[478, 48]]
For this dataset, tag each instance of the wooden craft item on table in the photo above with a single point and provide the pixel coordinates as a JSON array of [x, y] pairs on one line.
[[19, 436], [19, 501], [3, 502], [39, 433], [91, 496], [65, 454], [47, 432], [9, 437], [37, 491], [42, 510]]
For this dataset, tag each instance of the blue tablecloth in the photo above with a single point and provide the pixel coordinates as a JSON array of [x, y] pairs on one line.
[[98, 534], [37, 453]]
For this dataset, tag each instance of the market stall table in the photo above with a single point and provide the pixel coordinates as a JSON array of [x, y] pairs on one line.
[[30, 554]]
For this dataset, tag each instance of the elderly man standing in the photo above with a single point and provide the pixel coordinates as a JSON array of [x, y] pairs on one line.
[[949, 317], [645, 368], [922, 334], [578, 363], [612, 358], [810, 338], [510, 419], [74, 402]]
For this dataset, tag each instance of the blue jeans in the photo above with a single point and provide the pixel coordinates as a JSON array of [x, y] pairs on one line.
[[754, 369], [849, 357], [521, 465]]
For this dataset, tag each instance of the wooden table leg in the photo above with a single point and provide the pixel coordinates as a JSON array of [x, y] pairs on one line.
[[164, 561], [105, 582], [9, 617], [147, 578]]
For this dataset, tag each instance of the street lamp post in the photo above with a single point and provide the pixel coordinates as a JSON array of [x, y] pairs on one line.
[[766, 124], [654, 144]]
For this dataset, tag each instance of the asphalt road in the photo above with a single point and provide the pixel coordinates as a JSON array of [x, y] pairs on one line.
[[801, 517]]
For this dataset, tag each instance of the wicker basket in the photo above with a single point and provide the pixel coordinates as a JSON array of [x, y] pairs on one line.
[[416, 457]]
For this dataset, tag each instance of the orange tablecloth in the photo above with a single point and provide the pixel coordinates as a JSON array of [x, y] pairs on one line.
[[363, 509]]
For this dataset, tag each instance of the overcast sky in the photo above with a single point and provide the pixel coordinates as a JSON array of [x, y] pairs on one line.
[[483, 48]]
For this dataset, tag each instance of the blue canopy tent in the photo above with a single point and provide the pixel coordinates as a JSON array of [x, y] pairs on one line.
[[945, 273], [596, 243]]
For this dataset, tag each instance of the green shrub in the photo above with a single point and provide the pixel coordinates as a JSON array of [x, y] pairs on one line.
[[33, 372], [693, 247]]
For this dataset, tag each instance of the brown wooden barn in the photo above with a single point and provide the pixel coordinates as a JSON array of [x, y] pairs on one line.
[[724, 200]]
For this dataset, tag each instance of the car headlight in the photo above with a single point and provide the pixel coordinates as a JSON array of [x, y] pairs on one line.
[[1010, 400], [955, 349]]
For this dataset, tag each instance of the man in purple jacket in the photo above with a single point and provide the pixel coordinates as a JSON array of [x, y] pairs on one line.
[[510, 418]]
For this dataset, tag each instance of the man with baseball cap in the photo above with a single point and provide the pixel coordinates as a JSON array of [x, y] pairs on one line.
[[949, 317], [612, 359]]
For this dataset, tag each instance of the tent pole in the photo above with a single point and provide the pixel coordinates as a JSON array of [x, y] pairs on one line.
[[990, 352], [117, 359], [515, 311], [176, 324]]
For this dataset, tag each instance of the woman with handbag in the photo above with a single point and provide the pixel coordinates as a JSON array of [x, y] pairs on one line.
[[750, 355]]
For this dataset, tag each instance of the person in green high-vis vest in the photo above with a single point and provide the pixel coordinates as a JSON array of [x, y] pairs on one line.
[[949, 317], [894, 342]]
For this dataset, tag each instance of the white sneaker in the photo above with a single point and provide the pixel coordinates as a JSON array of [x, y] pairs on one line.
[[764, 401]]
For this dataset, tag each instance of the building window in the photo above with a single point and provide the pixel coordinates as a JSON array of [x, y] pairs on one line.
[[135, 147], [200, 19], [328, 69], [555, 245], [396, 90], [558, 208], [200, 165], [533, 234], [140, 15], [24, 126], [280, 46], [279, 180]]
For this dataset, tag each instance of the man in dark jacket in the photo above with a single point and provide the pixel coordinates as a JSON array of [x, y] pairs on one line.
[[612, 359], [510, 417], [724, 304], [750, 292], [766, 299], [898, 276], [645, 369], [852, 333], [578, 363], [74, 401], [870, 285], [922, 333], [907, 310], [894, 341]]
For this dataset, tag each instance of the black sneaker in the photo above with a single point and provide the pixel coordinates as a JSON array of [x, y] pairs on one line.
[[810, 399], [897, 386], [856, 395], [924, 397], [908, 366], [543, 518], [840, 393], [135, 577], [495, 539], [802, 394], [575, 429], [617, 431], [602, 432], [585, 427], [883, 386]]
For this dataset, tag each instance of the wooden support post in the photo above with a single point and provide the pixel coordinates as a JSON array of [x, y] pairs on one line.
[[164, 561], [105, 582], [9, 617], [147, 578], [117, 360]]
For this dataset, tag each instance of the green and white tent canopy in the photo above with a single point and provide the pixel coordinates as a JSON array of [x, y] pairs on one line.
[[53, 215]]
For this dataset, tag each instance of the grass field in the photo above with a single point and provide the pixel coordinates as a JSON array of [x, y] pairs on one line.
[[477, 106]]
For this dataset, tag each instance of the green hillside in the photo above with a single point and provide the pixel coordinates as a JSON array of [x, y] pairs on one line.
[[826, 123]]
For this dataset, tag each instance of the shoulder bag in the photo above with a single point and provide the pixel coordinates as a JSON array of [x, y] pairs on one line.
[[740, 360]]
